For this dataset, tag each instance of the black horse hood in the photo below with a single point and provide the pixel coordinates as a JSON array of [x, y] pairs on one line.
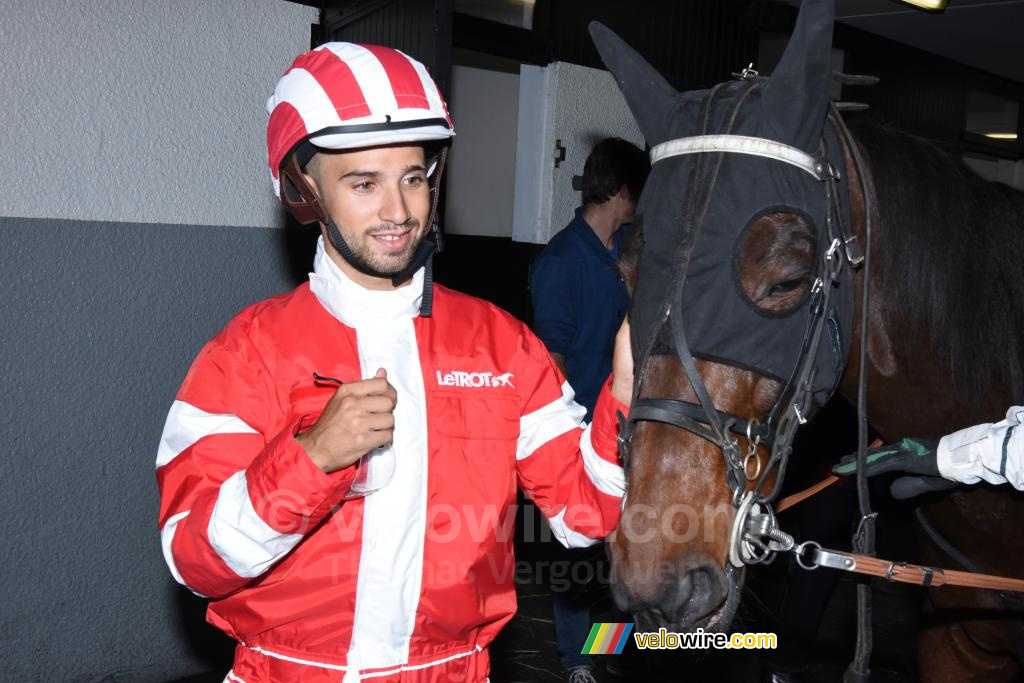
[[696, 208]]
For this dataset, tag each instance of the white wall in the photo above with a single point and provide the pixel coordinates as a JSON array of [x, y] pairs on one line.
[[481, 171], [148, 112], [577, 106]]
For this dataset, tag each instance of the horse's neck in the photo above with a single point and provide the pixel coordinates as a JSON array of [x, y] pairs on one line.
[[910, 390]]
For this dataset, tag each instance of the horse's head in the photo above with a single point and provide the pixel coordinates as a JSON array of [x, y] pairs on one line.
[[739, 326]]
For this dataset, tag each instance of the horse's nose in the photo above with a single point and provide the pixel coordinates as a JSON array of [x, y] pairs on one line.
[[681, 598]]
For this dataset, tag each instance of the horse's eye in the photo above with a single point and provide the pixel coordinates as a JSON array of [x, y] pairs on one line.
[[785, 287]]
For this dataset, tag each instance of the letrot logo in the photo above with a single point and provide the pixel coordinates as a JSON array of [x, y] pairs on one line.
[[457, 378]]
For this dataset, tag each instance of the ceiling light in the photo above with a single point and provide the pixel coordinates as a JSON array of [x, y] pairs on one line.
[[1001, 136], [929, 5]]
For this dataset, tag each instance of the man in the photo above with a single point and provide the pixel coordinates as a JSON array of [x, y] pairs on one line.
[[989, 452], [337, 471], [579, 302]]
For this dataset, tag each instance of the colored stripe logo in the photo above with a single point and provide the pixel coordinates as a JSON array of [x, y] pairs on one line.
[[607, 639]]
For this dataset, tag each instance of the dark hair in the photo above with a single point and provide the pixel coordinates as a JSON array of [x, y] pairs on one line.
[[613, 163]]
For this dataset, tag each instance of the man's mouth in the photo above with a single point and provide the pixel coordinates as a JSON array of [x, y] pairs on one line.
[[393, 241]]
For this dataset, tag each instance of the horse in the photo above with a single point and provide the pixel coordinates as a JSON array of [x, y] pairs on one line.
[[752, 304]]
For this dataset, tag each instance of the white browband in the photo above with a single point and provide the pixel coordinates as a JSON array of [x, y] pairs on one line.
[[742, 144]]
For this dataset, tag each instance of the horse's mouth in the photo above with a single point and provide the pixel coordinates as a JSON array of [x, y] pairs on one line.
[[721, 619], [718, 620]]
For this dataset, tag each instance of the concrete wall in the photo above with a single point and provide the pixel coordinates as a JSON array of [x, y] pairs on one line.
[[132, 215]]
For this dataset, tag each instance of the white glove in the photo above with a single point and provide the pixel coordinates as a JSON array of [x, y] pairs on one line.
[[993, 452]]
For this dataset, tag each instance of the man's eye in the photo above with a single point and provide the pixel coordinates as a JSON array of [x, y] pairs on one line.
[[364, 186], [415, 181]]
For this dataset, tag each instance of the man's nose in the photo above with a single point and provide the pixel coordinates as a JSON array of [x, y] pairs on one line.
[[394, 208]]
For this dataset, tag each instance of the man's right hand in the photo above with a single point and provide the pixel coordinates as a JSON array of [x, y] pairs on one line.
[[357, 419]]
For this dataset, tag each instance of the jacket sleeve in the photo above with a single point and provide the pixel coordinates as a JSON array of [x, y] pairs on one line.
[[237, 491], [569, 469], [993, 452]]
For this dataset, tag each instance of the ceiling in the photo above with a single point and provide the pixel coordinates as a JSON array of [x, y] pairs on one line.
[[986, 34]]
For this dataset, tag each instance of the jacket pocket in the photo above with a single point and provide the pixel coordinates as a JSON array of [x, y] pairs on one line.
[[475, 417]]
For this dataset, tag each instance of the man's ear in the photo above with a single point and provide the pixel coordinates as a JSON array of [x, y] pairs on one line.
[[623, 194]]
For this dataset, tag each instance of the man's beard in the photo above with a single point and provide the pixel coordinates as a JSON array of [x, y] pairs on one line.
[[363, 256]]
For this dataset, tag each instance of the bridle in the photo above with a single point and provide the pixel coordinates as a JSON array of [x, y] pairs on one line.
[[751, 541]]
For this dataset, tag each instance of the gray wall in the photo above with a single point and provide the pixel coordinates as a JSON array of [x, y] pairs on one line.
[[133, 218]]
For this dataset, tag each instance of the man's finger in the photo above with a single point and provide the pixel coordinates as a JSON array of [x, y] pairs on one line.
[[848, 464], [379, 422], [909, 487], [375, 404], [366, 387]]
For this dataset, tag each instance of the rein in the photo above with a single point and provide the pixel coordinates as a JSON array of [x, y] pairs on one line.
[[810, 555]]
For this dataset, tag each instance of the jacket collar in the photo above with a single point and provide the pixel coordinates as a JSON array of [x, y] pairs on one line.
[[353, 304]]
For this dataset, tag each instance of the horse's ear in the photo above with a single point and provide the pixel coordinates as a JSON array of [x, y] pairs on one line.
[[647, 93], [796, 96]]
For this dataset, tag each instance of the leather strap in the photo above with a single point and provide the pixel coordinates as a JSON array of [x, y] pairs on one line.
[[902, 572], [800, 496]]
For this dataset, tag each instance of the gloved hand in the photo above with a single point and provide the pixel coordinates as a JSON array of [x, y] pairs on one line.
[[915, 456]]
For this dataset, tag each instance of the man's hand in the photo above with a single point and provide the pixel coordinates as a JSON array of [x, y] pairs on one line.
[[910, 456], [357, 419], [622, 365]]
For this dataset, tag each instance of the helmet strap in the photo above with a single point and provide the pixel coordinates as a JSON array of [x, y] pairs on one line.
[[298, 195]]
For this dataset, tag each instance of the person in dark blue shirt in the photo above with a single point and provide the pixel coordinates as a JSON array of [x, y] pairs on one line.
[[579, 302]]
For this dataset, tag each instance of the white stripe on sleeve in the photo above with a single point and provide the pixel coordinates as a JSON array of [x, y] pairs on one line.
[[247, 544], [565, 535], [548, 422], [607, 476], [166, 539], [186, 424]]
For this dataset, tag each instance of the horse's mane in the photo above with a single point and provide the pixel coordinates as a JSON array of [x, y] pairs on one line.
[[948, 259]]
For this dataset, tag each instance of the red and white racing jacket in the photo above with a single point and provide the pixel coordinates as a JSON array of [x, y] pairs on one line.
[[414, 580]]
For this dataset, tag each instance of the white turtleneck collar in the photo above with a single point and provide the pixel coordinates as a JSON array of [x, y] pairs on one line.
[[353, 304]]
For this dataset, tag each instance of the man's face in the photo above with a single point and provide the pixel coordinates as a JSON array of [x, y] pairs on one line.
[[626, 205], [379, 198]]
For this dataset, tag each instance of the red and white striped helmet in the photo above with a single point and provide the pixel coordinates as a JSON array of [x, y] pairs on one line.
[[342, 96]]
